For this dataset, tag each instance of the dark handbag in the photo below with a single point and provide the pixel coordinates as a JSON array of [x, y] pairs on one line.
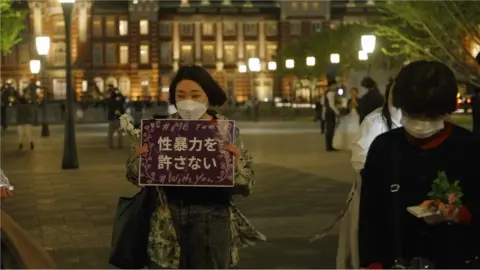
[[130, 231]]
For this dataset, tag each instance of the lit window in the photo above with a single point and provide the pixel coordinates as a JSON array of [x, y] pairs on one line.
[[229, 29], [208, 54], [250, 51], [111, 54], [271, 51], [123, 27], [124, 54], [59, 27], [165, 29], [84, 86], [59, 53], [294, 5], [186, 54], [144, 54], [272, 29], [295, 28], [97, 54], [143, 27], [305, 5], [229, 54], [97, 27], [110, 27], [251, 29], [317, 27], [315, 5], [186, 29], [207, 29]]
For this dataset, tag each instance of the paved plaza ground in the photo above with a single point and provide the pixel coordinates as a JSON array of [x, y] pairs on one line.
[[300, 189]]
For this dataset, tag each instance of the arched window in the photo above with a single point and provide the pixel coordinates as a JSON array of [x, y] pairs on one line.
[[99, 83], [112, 81], [124, 86]]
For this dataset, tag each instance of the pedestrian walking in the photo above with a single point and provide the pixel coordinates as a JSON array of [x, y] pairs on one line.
[[191, 227], [419, 195], [25, 120], [348, 126], [115, 108], [7, 92], [330, 114], [372, 100], [379, 121]]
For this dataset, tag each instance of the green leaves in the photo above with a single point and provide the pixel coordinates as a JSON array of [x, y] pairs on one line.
[[445, 31], [344, 40], [446, 191], [12, 22]]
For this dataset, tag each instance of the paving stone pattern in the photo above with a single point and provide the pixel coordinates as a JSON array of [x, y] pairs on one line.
[[71, 212]]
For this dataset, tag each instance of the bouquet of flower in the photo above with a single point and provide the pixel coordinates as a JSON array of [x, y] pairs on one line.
[[445, 196], [127, 127]]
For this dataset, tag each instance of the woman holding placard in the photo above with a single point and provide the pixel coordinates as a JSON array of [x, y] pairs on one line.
[[194, 227]]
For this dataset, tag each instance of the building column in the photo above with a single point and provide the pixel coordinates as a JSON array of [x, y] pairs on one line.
[[198, 43], [82, 23], [37, 19], [219, 45], [240, 42], [261, 44], [176, 45]]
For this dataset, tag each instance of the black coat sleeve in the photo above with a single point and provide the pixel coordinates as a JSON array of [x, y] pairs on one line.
[[470, 189], [374, 204]]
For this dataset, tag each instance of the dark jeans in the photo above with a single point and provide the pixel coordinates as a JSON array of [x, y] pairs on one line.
[[204, 235], [330, 123], [3, 117]]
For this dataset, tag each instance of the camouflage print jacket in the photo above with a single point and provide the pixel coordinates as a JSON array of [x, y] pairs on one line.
[[163, 248]]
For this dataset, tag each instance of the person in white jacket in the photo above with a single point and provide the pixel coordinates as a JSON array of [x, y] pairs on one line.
[[379, 121]]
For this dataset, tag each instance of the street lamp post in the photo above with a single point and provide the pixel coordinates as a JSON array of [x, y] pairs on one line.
[[43, 46], [35, 66], [290, 64], [310, 61], [253, 65], [70, 155], [368, 46]]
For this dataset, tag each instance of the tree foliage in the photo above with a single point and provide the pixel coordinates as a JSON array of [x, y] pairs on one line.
[[345, 40], [445, 31], [12, 22]]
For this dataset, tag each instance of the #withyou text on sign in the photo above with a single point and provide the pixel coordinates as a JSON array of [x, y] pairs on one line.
[[187, 153]]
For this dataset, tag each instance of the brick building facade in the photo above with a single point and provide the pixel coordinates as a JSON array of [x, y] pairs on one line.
[[138, 45]]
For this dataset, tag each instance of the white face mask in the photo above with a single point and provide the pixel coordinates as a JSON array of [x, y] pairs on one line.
[[191, 110], [421, 128]]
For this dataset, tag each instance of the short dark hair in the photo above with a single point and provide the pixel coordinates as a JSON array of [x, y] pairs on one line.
[[216, 95], [368, 82], [427, 88]]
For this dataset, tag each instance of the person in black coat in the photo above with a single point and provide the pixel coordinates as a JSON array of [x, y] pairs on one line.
[[404, 168], [372, 100], [115, 108]]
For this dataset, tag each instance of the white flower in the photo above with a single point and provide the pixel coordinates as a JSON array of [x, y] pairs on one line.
[[127, 127]]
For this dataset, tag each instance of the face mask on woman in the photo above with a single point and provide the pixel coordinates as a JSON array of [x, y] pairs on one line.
[[421, 128], [191, 110]]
